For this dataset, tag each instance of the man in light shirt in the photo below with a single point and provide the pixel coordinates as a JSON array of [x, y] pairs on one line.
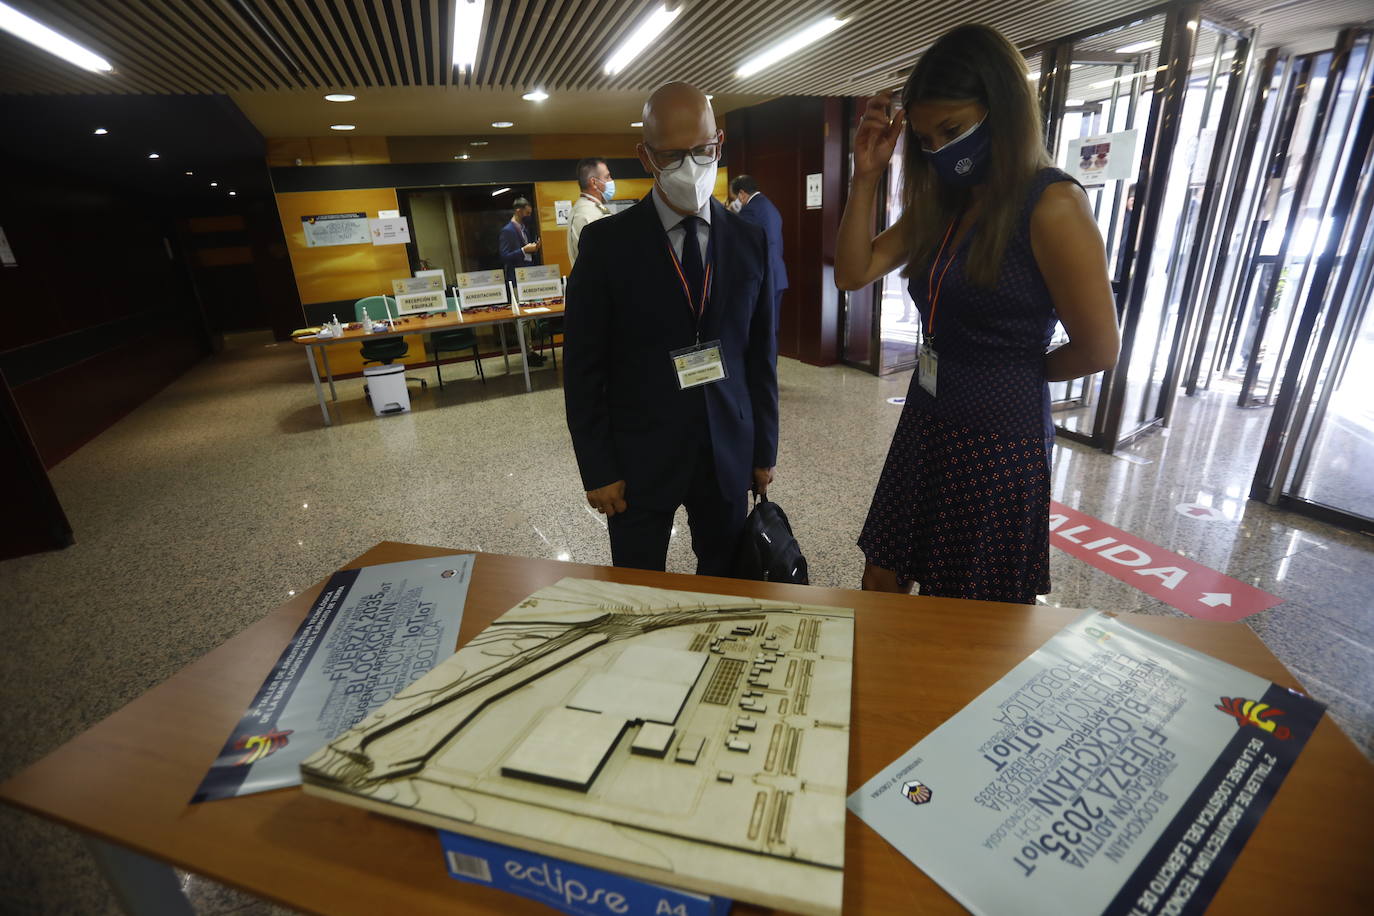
[[597, 189]]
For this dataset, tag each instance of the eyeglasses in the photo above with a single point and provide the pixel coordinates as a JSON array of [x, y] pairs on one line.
[[669, 159]]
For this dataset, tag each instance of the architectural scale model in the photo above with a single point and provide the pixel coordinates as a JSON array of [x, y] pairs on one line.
[[699, 741]]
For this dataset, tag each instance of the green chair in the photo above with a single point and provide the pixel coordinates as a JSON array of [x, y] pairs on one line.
[[542, 331], [387, 349], [456, 340]]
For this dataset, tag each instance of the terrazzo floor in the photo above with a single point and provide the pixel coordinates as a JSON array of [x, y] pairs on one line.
[[220, 497]]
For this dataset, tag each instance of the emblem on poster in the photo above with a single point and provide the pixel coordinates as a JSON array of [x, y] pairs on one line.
[[260, 746], [1250, 712], [918, 793]]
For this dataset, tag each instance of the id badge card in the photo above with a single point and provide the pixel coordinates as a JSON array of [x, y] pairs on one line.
[[698, 365], [927, 368]]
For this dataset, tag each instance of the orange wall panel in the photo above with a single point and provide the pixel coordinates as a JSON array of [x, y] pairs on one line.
[[340, 271]]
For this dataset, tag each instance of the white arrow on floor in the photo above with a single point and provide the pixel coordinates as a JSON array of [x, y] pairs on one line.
[[1212, 599]]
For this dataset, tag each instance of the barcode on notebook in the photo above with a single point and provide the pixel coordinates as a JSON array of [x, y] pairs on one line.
[[469, 866]]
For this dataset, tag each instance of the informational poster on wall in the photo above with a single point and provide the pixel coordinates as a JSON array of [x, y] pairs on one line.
[[371, 633], [335, 229], [1106, 157], [562, 212], [390, 231], [1111, 772]]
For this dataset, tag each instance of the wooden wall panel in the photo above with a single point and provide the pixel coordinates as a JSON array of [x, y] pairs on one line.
[[340, 271]]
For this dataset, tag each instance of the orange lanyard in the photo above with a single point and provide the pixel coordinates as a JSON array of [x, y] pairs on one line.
[[932, 286], [697, 309]]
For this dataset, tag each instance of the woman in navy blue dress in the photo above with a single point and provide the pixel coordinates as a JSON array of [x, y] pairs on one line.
[[997, 246]]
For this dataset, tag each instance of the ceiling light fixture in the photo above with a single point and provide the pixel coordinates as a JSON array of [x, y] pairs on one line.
[[36, 33], [340, 97], [499, 192], [467, 32], [1103, 84], [636, 123], [100, 131], [154, 156], [640, 39], [479, 143], [342, 126], [462, 156], [190, 173], [1137, 47], [233, 193], [214, 184], [537, 95], [789, 46], [502, 125]]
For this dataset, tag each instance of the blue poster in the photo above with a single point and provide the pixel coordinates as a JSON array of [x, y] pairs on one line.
[[370, 634]]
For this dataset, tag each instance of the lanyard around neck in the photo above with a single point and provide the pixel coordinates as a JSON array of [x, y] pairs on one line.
[[698, 309], [933, 286]]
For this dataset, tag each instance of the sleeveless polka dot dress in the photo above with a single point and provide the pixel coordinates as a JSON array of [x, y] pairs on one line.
[[962, 506]]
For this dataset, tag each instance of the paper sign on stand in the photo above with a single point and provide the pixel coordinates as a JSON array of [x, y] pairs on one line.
[[481, 288], [390, 231], [415, 303], [436, 272], [405, 285], [388, 214], [537, 283]]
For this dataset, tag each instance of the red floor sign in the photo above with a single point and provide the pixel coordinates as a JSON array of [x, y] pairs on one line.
[[1194, 589]]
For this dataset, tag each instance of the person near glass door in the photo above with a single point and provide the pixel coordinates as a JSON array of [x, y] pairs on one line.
[[997, 245]]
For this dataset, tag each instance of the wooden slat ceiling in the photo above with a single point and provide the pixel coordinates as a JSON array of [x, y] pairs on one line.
[[204, 46]]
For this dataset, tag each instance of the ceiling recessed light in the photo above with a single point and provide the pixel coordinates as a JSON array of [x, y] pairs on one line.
[[341, 126], [154, 156], [339, 97], [501, 125], [537, 95], [467, 32], [190, 173], [499, 192], [789, 46], [214, 184], [479, 143], [640, 39], [462, 156], [100, 131], [636, 123], [36, 33], [233, 193]]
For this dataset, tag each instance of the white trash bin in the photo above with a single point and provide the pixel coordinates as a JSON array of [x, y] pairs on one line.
[[386, 385]]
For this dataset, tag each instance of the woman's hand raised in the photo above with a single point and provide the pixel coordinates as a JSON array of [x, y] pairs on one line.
[[876, 137]]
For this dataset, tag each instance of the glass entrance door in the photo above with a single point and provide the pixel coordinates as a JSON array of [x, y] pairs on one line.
[[1320, 443]]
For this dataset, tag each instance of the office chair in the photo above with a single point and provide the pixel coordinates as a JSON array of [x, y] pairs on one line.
[[388, 349], [456, 340], [542, 332]]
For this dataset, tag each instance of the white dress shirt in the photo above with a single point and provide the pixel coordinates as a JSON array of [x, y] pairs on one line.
[[671, 219]]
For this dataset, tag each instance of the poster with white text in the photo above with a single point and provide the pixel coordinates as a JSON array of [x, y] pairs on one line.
[[1111, 772], [370, 634]]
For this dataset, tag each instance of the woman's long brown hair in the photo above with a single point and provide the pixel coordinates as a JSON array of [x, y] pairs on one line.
[[973, 62]]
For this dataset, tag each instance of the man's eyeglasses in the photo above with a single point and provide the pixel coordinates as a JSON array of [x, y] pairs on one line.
[[669, 159]]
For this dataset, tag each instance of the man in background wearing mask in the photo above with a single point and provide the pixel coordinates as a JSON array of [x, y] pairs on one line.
[[670, 379], [598, 189], [755, 207]]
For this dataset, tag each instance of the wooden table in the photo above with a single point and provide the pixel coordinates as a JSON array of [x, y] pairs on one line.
[[412, 324], [127, 780]]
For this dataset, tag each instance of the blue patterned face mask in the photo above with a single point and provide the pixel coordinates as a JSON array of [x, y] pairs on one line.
[[962, 162]]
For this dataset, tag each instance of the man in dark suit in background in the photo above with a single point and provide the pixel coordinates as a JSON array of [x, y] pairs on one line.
[[753, 207], [670, 379], [518, 250]]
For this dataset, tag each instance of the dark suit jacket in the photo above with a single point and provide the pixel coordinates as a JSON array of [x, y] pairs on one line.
[[761, 212], [511, 255], [626, 310]]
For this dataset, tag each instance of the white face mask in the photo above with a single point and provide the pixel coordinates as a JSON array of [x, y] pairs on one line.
[[688, 186], [735, 205]]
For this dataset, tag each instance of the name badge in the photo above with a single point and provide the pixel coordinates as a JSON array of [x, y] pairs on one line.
[[927, 368], [699, 365]]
